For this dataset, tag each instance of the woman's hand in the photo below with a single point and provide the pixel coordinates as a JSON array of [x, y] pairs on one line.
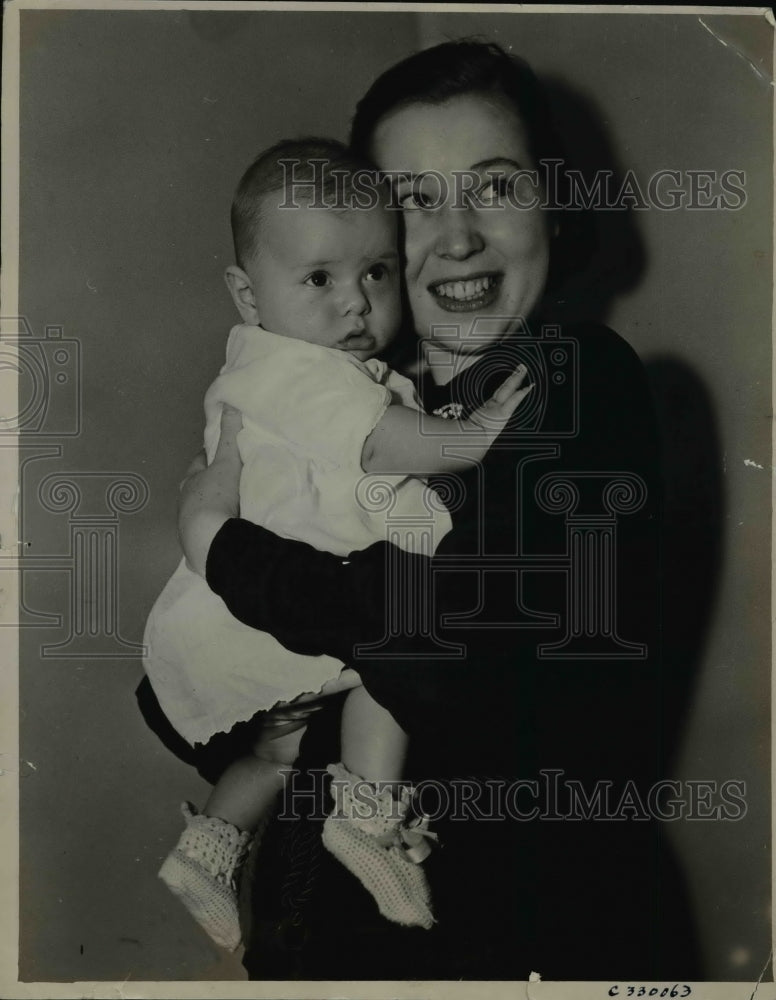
[[210, 494]]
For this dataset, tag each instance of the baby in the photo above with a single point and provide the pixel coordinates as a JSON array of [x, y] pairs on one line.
[[317, 284]]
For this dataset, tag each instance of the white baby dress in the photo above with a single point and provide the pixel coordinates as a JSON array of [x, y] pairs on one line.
[[307, 411]]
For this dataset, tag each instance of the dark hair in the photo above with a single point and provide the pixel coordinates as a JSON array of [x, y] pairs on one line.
[[470, 66], [324, 168], [450, 70]]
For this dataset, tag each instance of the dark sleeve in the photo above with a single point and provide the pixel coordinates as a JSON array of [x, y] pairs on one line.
[[312, 602]]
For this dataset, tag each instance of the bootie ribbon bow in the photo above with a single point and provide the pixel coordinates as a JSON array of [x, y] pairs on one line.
[[413, 840]]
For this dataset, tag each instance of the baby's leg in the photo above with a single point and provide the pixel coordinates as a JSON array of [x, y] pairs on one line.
[[202, 870], [246, 791], [368, 831], [374, 746]]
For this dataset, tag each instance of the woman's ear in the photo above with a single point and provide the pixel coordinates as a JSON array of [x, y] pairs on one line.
[[241, 290]]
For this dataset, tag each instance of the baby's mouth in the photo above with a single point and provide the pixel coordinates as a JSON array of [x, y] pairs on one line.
[[461, 295], [357, 340]]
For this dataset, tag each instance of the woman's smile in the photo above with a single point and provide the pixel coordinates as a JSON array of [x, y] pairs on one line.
[[466, 293]]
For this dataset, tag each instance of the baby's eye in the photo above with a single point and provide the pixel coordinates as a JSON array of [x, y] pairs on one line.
[[318, 279], [377, 272]]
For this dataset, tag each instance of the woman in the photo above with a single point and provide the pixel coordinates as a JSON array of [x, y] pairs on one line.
[[541, 674]]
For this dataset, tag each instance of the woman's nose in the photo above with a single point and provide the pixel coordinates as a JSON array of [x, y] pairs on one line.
[[458, 235]]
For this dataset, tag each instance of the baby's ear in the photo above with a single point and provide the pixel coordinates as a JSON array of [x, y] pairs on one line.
[[241, 290]]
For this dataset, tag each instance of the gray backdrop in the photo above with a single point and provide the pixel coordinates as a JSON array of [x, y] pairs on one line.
[[135, 128]]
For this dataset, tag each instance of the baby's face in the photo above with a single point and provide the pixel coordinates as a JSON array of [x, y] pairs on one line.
[[328, 277]]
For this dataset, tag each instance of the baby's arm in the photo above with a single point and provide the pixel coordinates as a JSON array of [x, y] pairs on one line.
[[210, 494], [407, 442]]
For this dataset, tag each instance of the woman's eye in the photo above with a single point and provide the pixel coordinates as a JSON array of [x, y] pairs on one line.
[[494, 188], [377, 272], [415, 201], [520, 188], [318, 279]]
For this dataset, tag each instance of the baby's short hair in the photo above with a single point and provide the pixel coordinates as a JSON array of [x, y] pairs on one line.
[[312, 171]]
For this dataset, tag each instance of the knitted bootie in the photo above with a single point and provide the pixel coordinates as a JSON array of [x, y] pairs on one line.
[[201, 872], [368, 833]]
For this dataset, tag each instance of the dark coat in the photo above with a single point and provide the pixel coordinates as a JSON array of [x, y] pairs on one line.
[[543, 734]]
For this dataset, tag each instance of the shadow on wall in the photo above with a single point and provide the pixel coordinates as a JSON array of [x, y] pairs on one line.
[[598, 255], [693, 521]]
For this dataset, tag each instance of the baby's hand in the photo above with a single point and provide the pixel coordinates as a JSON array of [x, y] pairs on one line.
[[496, 411]]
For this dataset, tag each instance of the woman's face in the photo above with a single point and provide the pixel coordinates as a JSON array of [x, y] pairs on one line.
[[474, 265]]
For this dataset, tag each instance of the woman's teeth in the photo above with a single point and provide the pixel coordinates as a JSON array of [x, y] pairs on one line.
[[463, 290]]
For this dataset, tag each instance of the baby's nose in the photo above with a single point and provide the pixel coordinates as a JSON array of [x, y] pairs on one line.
[[356, 302]]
